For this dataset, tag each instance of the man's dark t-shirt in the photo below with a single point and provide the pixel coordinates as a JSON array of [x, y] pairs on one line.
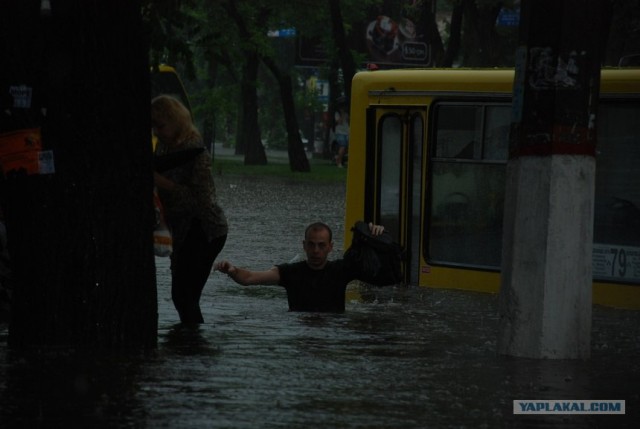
[[316, 290]]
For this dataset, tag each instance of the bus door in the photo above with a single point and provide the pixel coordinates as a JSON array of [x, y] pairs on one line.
[[395, 153]]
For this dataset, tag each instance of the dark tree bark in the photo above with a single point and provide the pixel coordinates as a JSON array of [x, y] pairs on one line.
[[455, 36], [297, 157], [346, 59], [624, 37], [483, 47], [433, 35], [249, 139], [209, 123], [80, 238]]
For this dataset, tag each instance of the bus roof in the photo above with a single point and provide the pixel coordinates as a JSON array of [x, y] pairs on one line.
[[620, 80]]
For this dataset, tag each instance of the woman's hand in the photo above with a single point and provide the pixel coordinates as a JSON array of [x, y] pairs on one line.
[[162, 182]]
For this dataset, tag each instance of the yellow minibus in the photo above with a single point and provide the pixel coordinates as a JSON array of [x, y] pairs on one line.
[[427, 159]]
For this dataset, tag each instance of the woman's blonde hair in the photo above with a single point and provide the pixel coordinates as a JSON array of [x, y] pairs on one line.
[[165, 108]]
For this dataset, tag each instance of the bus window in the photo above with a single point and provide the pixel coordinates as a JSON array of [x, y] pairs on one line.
[[468, 184], [617, 194], [473, 132], [496, 133], [390, 173], [458, 132]]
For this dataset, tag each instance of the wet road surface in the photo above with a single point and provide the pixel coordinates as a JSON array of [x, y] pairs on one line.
[[398, 358]]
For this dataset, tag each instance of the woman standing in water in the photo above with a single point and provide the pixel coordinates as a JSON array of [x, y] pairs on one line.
[[198, 224]]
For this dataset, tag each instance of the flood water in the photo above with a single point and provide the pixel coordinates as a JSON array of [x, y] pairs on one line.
[[403, 357]]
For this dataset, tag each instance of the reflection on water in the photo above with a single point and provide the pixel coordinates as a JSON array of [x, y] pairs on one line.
[[398, 358], [67, 388]]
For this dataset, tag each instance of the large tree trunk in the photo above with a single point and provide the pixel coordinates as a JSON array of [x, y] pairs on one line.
[[346, 59], [455, 36], [80, 238], [249, 139], [297, 157], [483, 47], [209, 123], [298, 160], [434, 40]]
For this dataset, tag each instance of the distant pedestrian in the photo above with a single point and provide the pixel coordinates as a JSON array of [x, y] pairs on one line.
[[198, 224], [341, 135]]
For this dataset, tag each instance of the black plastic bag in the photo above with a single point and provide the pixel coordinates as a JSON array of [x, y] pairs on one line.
[[377, 257]]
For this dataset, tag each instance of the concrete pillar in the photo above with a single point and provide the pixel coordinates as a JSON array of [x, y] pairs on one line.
[[545, 296]]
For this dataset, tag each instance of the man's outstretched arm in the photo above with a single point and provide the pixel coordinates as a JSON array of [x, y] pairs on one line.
[[246, 277]]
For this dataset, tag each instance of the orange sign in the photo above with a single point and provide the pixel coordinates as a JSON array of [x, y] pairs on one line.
[[21, 152]]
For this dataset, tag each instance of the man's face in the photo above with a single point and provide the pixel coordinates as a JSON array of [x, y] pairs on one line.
[[317, 246]]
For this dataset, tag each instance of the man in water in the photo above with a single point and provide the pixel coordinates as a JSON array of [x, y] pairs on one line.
[[315, 284]]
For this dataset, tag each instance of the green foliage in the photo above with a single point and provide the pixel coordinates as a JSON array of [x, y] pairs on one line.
[[170, 30], [208, 42]]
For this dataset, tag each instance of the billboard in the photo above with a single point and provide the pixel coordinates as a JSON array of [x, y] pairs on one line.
[[393, 34]]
